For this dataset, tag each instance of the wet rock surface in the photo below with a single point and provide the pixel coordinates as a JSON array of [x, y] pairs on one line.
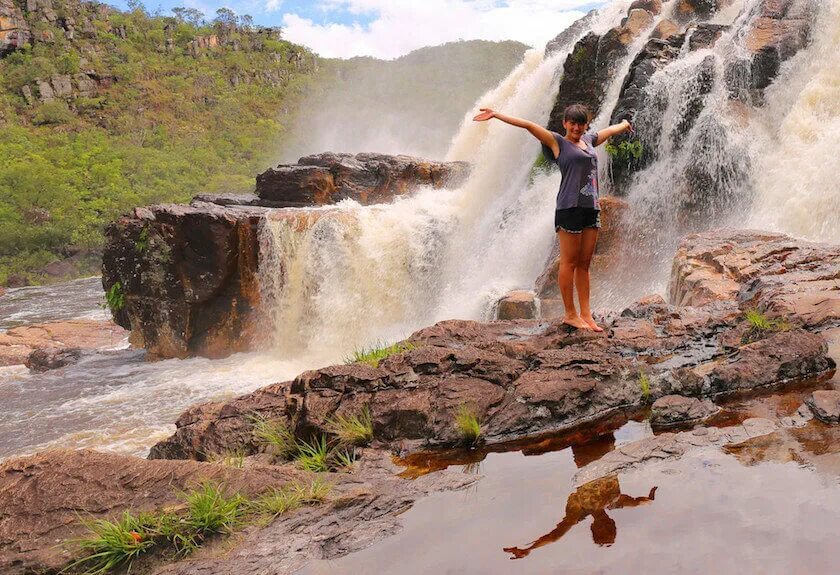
[[42, 360], [825, 405], [43, 496], [672, 410], [329, 178], [18, 344], [519, 304]]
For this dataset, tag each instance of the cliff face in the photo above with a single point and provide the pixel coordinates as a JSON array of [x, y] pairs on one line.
[[183, 278]]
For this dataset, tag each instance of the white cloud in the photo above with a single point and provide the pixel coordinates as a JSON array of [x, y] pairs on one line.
[[400, 26]]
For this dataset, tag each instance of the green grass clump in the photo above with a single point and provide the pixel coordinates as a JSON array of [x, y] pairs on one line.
[[344, 460], [353, 429], [315, 491], [210, 511], [278, 501], [644, 384], [274, 435], [115, 298], [314, 456], [114, 544], [468, 424], [376, 354], [234, 458], [759, 325]]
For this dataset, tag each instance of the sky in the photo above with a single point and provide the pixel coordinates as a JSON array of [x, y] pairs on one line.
[[391, 28]]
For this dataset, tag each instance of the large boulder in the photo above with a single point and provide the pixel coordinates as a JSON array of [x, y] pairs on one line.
[[572, 34], [19, 343], [825, 405], [329, 178]]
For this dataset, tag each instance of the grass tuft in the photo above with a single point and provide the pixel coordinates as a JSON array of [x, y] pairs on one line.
[[345, 460], [314, 456], [275, 436], [376, 354], [315, 491], [468, 424], [354, 429], [234, 458], [210, 511], [759, 325], [644, 384], [114, 544], [278, 501]]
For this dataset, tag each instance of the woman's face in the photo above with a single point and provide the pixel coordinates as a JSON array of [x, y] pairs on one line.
[[574, 130]]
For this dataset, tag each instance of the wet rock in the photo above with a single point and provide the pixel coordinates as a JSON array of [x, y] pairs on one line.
[[705, 35], [652, 6], [518, 304], [571, 34], [686, 10], [14, 30], [778, 31], [2, 291], [672, 410], [43, 497], [665, 30], [18, 343], [825, 405], [787, 278], [42, 360], [367, 178], [636, 22]]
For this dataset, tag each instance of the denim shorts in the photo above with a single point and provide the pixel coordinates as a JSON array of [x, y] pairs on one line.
[[574, 220]]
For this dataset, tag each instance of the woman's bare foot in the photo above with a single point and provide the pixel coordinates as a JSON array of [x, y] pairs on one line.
[[576, 322], [590, 321]]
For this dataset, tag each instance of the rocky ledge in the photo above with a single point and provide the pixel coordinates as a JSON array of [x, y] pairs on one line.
[[523, 377], [49, 345], [183, 278]]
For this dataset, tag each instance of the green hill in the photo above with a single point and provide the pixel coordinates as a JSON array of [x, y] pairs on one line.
[[103, 110]]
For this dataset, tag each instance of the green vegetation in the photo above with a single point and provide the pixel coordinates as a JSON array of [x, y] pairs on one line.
[[345, 460], [163, 124], [759, 326], [115, 298], [314, 456], [627, 152], [644, 384], [374, 355], [113, 545], [274, 435], [468, 425], [234, 458], [142, 243], [353, 429]]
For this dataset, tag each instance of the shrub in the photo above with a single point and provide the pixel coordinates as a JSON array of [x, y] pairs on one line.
[[644, 384], [115, 298], [114, 544], [374, 355], [626, 152], [52, 113], [468, 425], [354, 429]]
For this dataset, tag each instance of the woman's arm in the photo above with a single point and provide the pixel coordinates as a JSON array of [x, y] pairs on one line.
[[536, 130], [614, 130]]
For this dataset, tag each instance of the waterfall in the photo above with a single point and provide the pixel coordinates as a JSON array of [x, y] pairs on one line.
[[356, 275]]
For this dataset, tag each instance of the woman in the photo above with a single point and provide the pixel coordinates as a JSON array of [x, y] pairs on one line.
[[577, 212]]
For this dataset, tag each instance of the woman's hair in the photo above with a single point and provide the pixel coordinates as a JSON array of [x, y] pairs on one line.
[[577, 113]]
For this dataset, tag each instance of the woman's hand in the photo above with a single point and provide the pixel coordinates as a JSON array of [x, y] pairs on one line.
[[627, 126], [486, 114]]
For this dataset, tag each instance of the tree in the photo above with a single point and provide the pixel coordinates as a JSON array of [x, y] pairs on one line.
[[226, 19]]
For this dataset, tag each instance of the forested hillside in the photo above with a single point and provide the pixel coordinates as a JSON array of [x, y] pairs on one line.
[[103, 110]]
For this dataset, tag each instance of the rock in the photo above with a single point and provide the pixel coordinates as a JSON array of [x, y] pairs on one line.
[[62, 85], [665, 30], [16, 281], [18, 343], [825, 405], [2, 291], [367, 178], [637, 21], [45, 91], [571, 34], [44, 496], [705, 35], [519, 304], [686, 10], [520, 377], [652, 6], [780, 29], [672, 410], [14, 30], [786, 277], [609, 238], [45, 359]]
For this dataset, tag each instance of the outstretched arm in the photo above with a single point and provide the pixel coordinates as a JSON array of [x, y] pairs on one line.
[[614, 130], [536, 130]]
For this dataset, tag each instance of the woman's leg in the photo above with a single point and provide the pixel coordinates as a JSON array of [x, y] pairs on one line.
[[587, 248], [569, 250]]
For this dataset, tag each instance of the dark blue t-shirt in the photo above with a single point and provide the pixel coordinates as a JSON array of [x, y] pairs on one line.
[[579, 187]]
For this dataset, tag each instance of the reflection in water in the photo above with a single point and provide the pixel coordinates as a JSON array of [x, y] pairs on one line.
[[590, 499]]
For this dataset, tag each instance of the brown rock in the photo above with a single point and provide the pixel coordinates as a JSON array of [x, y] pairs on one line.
[[14, 30], [367, 178], [517, 304], [43, 497], [42, 360], [825, 404], [18, 343], [672, 410], [637, 21], [665, 29]]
